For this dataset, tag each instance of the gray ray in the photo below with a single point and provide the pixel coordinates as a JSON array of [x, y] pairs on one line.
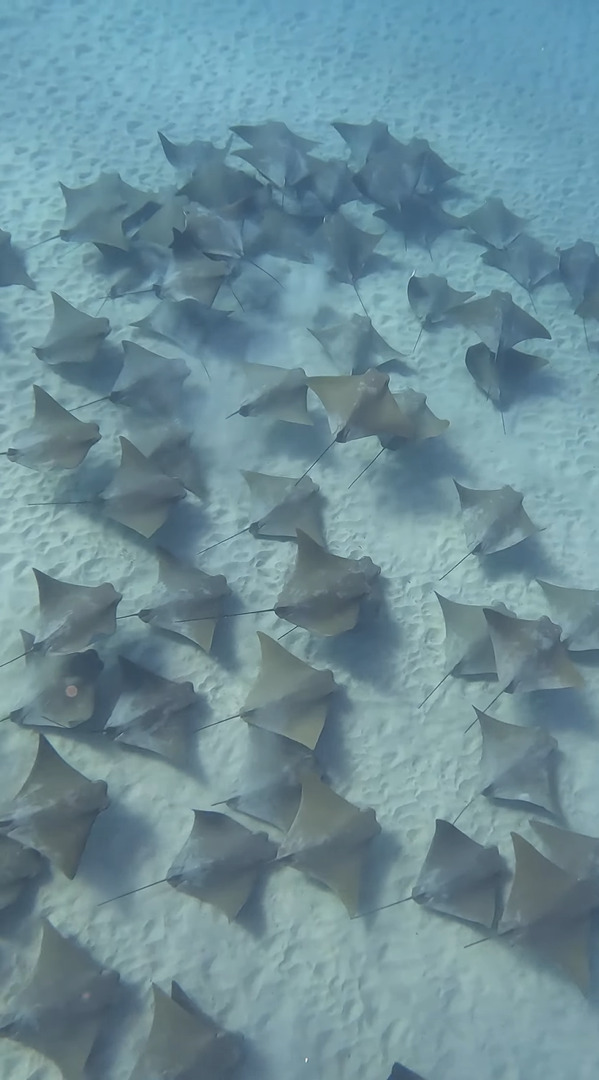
[[220, 862], [18, 865], [157, 230], [55, 439], [420, 220], [494, 372], [216, 235], [279, 234], [327, 840], [578, 614], [349, 247], [517, 763], [190, 602], [271, 787], [188, 323], [12, 264], [185, 157], [579, 270], [417, 422], [65, 687], [149, 382], [574, 852], [280, 164], [324, 592], [289, 697], [358, 406], [431, 297], [363, 140], [525, 259], [215, 185], [139, 495], [276, 392], [170, 450], [272, 133], [499, 322], [60, 1011], [73, 337], [184, 1042], [354, 346], [189, 276], [73, 616], [283, 504], [493, 519], [530, 654], [328, 186], [106, 195], [152, 713], [459, 877], [54, 810], [493, 223]]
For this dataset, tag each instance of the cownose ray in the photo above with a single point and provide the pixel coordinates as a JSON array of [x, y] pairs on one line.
[[184, 1042], [280, 234], [140, 496], [171, 451], [18, 865], [276, 392], [530, 654], [64, 687], [414, 422], [517, 764], [363, 140], [189, 324], [493, 224], [280, 506], [420, 219], [279, 163], [60, 1011], [185, 157], [152, 713], [74, 337], [54, 810], [274, 769], [147, 382], [12, 264], [220, 237], [327, 186], [327, 840], [91, 210], [499, 322], [272, 132], [549, 909], [215, 185], [431, 298], [187, 275], [401, 1072], [324, 592], [468, 649], [578, 614], [493, 519], [402, 175], [496, 374], [72, 616], [525, 259], [189, 602], [55, 439], [354, 346], [349, 249]]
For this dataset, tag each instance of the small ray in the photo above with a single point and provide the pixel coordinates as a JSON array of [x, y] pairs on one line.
[[282, 504], [220, 862], [324, 592], [152, 713], [184, 1042], [431, 298], [525, 259], [139, 495], [327, 840], [54, 810], [499, 322], [185, 157], [60, 1011], [289, 697], [517, 763], [530, 654], [190, 602], [493, 224], [149, 382], [363, 140], [578, 613], [65, 687], [276, 392], [459, 877], [12, 264], [55, 439], [275, 768], [74, 337], [18, 865], [354, 346]]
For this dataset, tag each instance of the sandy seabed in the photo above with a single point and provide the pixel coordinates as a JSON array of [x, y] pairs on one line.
[[509, 99]]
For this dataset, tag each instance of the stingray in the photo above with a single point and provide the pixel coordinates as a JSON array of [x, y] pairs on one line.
[[529, 654], [185, 157], [74, 337], [12, 264], [139, 495], [276, 392], [493, 224], [431, 298], [355, 346], [525, 259], [400, 1072], [324, 592], [327, 840], [578, 613], [289, 697], [459, 877], [349, 248], [60, 1011], [190, 602], [275, 768], [494, 520], [184, 1042], [280, 506], [148, 382], [579, 270], [55, 809], [189, 324], [220, 862], [72, 616], [18, 865], [152, 713], [65, 687], [55, 439], [517, 763], [468, 649], [363, 140]]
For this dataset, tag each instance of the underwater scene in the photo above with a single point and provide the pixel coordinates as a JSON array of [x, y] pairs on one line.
[[299, 446]]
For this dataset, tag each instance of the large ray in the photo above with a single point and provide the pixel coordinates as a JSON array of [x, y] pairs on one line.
[[184, 1042], [272, 784], [431, 298], [578, 614], [494, 519], [468, 649], [73, 337], [525, 259], [517, 763], [64, 687], [276, 392], [493, 224], [324, 592], [139, 495], [459, 877], [55, 439], [12, 264], [220, 862], [55, 809], [190, 602], [530, 654], [354, 346], [289, 697], [88, 209], [328, 839], [18, 865], [152, 713], [60, 1011]]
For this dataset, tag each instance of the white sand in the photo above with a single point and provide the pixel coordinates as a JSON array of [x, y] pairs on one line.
[[509, 99]]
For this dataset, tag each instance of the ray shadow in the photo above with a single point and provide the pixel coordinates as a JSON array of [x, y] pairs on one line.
[[365, 651], [120, 837], [558, 710], [126, 1009], [528, 558]]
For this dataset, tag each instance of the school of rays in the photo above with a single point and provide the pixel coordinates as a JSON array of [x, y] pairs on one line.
[[211, 254]]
